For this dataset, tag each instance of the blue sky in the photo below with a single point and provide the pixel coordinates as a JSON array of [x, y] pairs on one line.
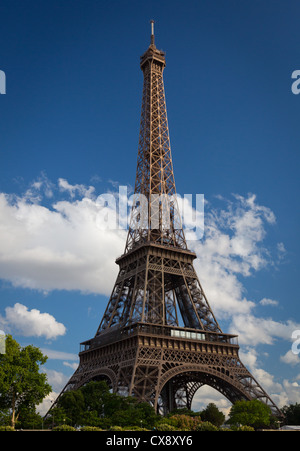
[[69, 125]]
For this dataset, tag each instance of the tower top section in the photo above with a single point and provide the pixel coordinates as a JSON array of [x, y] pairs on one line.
[[152, 54]]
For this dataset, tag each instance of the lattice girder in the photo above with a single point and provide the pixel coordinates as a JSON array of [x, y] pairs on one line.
[[154, 286]]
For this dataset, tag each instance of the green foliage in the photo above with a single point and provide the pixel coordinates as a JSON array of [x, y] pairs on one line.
[[94, 405], [29, 419], [163, 426], [22, 386], [134, 413], [63, 427], [90, 428], [250, 413], [6, 428], [71, 407], [213, 415], [207, 426], [183, 411], [185, 422], [292, 414], [116, 428], [134, 428], [245, 428]]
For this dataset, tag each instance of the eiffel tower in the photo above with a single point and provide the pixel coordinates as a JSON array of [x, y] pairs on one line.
[[159, 340]]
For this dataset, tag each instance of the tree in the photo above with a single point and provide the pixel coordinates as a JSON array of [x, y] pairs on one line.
[[133, 413], [292, 414], [22, 386], [213, 415], [94, 405], [95, 396], [251, 413], [72, 404], [30, 420]]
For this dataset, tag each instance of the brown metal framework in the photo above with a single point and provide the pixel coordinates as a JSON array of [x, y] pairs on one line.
[[159, 339]]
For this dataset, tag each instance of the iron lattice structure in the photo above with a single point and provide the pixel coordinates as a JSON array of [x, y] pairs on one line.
[[159, 339]]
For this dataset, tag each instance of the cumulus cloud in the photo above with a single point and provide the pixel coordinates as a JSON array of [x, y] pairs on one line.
[[32, 322], [290, 358], [79, 189], [232, 248], [255, 330], [59, 355], [266, 301], [60, 248]]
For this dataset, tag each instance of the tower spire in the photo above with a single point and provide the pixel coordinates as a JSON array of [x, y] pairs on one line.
[[152, 32]]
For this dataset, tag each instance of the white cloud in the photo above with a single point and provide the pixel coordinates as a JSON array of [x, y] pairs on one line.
[[64, 248], [291, 392], [81, 190], [59, 355], [256, 330], [56, 379], [232, 248], [32, 322], [280, 393], [249, 357], [290, 358], [74, 366], [266, 301]]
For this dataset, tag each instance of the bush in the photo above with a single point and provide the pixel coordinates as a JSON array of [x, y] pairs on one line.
[[242, 428], [184, 422], [165, 427], [90, 428], [64, 427], [116, 428], [7, 428], [246, 428], [207, 426]]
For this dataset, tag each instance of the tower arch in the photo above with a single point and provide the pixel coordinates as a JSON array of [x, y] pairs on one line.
[[179, 385]]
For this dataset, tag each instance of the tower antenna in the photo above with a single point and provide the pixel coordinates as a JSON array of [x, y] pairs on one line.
[[152, 31]]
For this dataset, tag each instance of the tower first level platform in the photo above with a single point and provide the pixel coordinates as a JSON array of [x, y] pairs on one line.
[[166, 365]]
